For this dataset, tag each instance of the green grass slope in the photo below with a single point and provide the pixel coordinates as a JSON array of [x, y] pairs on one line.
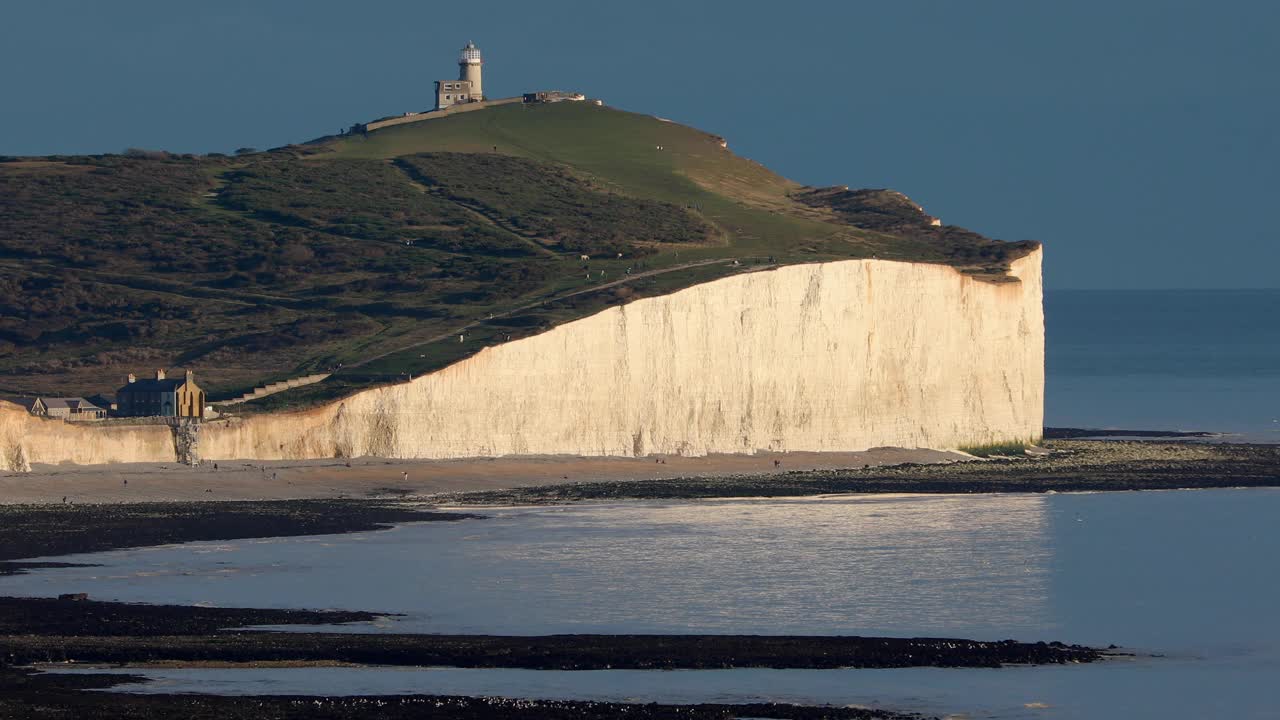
[[386, 255]]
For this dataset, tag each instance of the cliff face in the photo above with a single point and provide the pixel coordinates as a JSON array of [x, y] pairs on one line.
[[837, 356], [25, 440]]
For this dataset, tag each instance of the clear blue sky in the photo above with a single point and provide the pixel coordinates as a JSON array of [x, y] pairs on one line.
[[1139, 139]]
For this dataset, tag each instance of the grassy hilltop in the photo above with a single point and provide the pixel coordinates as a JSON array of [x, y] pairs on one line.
[[375, 252]]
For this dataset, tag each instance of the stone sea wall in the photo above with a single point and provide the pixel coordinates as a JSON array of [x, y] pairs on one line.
[[836, 356]]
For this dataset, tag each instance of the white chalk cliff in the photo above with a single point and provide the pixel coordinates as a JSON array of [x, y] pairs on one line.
[[835, 356], [25, 440]]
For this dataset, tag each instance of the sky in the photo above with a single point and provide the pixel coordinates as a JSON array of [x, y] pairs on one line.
[[1138, 139]]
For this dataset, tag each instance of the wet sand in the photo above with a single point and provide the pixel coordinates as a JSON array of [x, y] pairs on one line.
[[381, 478], [1068, 465]]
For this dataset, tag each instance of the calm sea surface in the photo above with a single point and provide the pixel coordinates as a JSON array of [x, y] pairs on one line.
[[1188, 575], [1166, 360]]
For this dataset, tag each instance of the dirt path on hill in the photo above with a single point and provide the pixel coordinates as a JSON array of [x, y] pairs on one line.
[[506, 313]]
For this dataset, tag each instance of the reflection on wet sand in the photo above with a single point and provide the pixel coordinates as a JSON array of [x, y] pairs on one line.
[[970, 566]]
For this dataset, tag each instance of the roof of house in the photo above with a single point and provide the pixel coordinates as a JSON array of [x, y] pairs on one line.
[[70, 403], [167, 385]]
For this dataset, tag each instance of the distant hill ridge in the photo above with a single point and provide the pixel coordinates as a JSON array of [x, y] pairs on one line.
[[416, 245]]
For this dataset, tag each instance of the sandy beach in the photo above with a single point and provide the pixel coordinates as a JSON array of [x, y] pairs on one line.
[[383, 478]]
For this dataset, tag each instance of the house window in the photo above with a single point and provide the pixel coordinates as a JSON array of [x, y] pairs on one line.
[[448, 97]]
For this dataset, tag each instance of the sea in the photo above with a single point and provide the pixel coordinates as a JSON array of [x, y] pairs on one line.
[[1184, 582], [1206, 360]]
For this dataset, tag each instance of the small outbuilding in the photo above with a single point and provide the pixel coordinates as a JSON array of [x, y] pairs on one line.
[[551, 96], [71, 409]]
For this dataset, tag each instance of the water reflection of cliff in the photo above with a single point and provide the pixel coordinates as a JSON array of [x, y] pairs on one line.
[[973, 566], [893, 564]]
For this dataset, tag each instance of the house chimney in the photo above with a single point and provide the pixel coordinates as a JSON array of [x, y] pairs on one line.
[[132, 378], [190, 375], [160, 374]]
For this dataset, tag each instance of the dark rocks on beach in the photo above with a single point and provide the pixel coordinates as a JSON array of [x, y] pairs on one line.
[[28, 695], [93, 618], [21, 568], [552, 652], [28, 531], [1072, 433], [35, 630], [1073, 466]]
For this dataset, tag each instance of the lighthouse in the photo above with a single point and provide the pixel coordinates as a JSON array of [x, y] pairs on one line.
[[467, 88], [469, 67]]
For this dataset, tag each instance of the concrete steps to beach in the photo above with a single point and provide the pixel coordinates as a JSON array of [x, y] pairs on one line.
[[273, 388]]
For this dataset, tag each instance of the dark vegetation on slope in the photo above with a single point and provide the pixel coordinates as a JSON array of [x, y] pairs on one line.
[[892, 212], [554, 207], [371, 254]]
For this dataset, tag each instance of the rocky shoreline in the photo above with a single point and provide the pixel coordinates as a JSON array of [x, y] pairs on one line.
[[38, 531], [37, 631], [1070, 466], [26, 695], [1058, 433], [46, 630]]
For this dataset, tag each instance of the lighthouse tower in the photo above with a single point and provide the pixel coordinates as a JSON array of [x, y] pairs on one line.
[[466, 89], [469, 68]]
